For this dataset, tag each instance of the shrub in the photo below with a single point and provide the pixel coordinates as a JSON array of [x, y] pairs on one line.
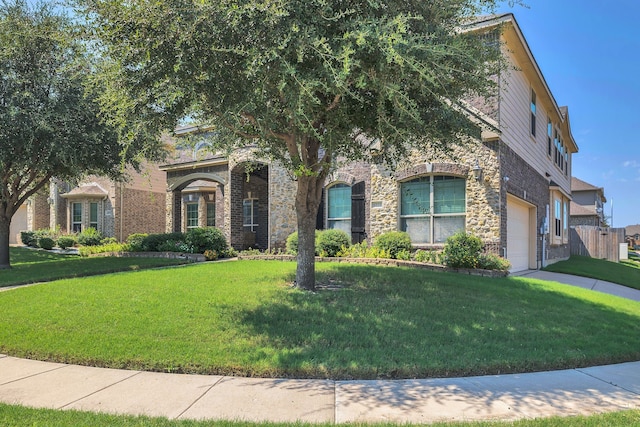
[[201, 239], [108, 240], [152, 242], [100, 249], [404, 255], [210, 255], [292, 243], [363, 250], [135, 241], [462, 250], [27, 238], [393, 242], [65, 242], [493, 262], [46, 243], [173, 246], [89, 237], [330, 242]]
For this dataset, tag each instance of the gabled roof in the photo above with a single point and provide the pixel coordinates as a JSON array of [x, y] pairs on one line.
[[86, 191], [579, 210], [632, 230], [580, 185]]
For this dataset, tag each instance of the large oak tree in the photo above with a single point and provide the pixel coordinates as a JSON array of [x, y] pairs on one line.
[[49, 124], [308, 81]]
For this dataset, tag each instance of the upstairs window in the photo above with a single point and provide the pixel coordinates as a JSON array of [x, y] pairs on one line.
[[533, 113], [549, 137]]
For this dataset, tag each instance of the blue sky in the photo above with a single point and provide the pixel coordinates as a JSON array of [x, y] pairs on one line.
[[589, 53]]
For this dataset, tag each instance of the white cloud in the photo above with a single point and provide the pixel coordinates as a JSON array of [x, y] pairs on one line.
[[631, 164]]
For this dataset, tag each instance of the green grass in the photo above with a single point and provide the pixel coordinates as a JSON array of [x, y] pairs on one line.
[[32, 266], [625, 273], [17, 416], [243, 318]]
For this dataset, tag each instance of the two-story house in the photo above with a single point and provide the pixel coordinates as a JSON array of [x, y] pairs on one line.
[[512, 188], [587, 206]]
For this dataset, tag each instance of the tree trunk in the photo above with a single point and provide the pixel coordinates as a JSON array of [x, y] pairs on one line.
[[307, 202], [5, 223]]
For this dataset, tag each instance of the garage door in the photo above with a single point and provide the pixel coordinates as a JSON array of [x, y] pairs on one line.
[[518, 235]]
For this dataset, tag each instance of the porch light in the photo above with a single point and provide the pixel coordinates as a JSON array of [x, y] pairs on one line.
[[477, 171]]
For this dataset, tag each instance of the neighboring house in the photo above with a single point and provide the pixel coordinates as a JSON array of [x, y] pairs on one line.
[[632, 236], [587, 206], [116, 209], [512, 188]]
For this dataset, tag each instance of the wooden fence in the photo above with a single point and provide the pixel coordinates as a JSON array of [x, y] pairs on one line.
[[597, 242]]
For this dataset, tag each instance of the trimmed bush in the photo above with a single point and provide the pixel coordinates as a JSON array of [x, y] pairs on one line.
[[330, 242], [89, 237], [27, 238], [462, 250], [393, 242], [292, 243], [153, 242], [46, 243], [206, 238], [135, 241], [65, 242], [493, 262], [101, 249]]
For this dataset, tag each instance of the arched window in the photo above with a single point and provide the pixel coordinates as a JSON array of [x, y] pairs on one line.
[[339, 207], [432, 208]]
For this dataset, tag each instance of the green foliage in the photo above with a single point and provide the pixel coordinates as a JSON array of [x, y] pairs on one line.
[[136, 241], [173, 246], [493, 262], [103, 248], [46, 243], [90, 237], [363, 250], [206, 238], [67, 241], [155, 242], [404, 255], [27, 238], [210, 255], [462, 250], [292, 243], [393, 242], [429, 256], [330, 242]]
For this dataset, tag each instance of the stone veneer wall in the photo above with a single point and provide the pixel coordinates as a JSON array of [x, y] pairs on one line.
[[38, 210], [483, 197], [593, 220], [282, 211]]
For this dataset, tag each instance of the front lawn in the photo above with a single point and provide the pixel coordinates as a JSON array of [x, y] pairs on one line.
[[19, 416], [32, 266], [625, 273], [244, 318]]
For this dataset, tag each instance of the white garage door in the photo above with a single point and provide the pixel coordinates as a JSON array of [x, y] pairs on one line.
[[18, 224], [518, 235]]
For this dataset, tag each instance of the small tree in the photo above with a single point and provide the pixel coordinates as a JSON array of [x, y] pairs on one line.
[[49, 124]]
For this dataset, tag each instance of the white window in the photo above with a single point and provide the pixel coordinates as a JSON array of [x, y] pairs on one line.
[[533, 113], [76, 217], [211, 214], [192, 215], [93, 215], [339, 207], [250, 214], [432, 208]]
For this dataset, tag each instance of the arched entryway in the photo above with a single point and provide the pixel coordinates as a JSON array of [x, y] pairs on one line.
[[249, 200]]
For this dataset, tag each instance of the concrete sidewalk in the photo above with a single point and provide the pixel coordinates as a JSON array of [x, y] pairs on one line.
[[500, 397], [584, 282]]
